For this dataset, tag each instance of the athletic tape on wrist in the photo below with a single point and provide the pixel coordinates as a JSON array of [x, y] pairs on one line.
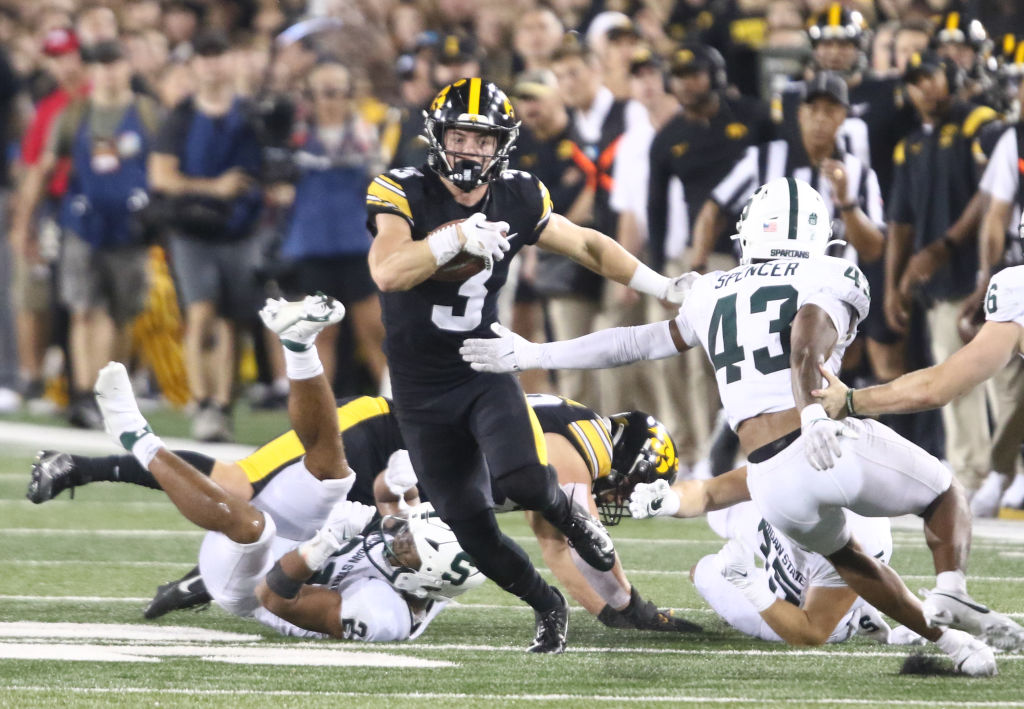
[[281, 583]]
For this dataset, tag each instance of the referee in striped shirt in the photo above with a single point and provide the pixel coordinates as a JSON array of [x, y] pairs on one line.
[[814, 156]]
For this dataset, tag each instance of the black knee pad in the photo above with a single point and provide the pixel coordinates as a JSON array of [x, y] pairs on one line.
[[532, 487]]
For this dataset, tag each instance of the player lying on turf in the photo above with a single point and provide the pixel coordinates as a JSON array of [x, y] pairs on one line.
[[795, 596], [591, 453], [352, 579], [766, 326]]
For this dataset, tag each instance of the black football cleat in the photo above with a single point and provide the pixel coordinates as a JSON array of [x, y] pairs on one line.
[[51, 475], [552, 627], [187, 592], [589, 538]]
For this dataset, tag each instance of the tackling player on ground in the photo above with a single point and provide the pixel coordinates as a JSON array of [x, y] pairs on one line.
[[464, 205], [766, 325], [391, 576]]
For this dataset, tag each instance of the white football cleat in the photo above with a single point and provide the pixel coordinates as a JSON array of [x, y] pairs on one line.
[[116, 400], [298, 323], [1014, 495], [948, 609], [985, 503], [974, 658]]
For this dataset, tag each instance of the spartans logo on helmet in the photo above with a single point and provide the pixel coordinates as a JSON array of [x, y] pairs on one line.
[[470, 105], [785, 218], [419, 554]]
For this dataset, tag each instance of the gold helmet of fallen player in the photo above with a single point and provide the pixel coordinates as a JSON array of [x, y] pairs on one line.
[[642, 451], [470, 105]]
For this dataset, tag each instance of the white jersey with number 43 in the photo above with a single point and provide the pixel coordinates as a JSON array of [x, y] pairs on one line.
[[743, 317]]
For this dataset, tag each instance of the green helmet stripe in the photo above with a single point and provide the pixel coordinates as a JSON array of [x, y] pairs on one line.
[[793, 205]]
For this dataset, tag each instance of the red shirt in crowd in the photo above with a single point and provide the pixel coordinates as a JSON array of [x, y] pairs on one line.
[[33, 143]]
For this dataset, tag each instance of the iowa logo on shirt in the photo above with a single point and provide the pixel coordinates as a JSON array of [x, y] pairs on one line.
[[736, 131]]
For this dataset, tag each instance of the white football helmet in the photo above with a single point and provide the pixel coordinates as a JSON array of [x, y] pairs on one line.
[[421, 555], [784, 218]]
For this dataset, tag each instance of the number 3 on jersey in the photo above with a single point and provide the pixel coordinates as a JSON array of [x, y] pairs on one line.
[[723, 320], [473, 292]]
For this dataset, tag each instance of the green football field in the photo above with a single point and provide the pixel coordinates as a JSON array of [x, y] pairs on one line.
[[76, 574]]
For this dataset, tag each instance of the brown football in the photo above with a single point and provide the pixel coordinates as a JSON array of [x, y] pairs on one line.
[[460, 268]]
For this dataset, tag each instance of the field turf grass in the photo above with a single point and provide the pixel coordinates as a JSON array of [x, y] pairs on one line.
[[98, 558]]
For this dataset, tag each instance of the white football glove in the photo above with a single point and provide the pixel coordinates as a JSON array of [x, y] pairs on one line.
[[399, 476], [821, 436], [508, 352], [347, 519], [680, 286], [485, 239], [656, 499], [738, 568]]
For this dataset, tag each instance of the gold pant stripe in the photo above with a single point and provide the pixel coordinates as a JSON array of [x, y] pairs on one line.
[[287, 448], [538, 436]]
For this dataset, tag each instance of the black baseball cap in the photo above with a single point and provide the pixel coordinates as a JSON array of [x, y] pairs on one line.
[[921, 64], [456, 48], [644, 58], [827, 84]]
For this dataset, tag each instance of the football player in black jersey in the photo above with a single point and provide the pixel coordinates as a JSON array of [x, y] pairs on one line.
[[430, 226]]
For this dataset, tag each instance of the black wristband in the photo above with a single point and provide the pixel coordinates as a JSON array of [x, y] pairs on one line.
[[281, 583], [848, 206], [849, 402]]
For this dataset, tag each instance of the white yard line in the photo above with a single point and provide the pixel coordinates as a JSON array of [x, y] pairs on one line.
[[618, 699]]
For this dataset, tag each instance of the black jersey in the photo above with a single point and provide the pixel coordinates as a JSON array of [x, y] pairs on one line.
[[426, 325], [369, 432], [555, 161], [700, 154], [585, 429]]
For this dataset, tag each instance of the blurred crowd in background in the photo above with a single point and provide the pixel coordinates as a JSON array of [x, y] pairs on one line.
[[168, 164]]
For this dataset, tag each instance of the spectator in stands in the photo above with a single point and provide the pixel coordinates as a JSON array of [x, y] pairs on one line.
[[34, 234], [613, 37], [103, 265], [631, 387], [204, 163], [598, 121], [911, 37], [325, 240], [934, 207], [538, 32]]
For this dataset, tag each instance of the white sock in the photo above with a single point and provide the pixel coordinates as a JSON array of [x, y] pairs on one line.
[[302, 365], [146, 447], [953, 581]]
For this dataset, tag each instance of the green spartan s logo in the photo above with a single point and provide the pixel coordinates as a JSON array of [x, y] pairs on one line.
[[990, 300], [462, 566]]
